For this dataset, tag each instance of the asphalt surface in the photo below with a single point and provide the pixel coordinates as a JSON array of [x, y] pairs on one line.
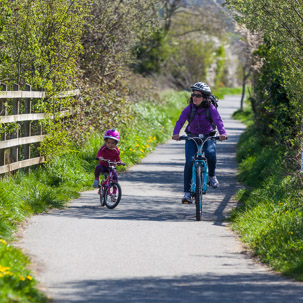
[[150, 248]]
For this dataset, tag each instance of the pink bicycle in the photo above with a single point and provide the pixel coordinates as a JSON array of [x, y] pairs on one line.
[[110, 190]]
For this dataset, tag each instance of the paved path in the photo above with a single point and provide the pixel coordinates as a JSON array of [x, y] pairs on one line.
[[150, 248]]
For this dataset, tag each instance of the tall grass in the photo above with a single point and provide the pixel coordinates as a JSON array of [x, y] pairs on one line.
[[222, 91], [270, 216]]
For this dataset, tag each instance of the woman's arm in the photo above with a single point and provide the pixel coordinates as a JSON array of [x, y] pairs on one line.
[[182, 119], [217, 120]]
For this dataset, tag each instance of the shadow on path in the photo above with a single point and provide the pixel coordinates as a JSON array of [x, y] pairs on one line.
[[152, 190], [208, 288]]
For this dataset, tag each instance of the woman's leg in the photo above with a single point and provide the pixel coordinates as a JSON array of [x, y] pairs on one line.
[[190, 150], [211, 156]]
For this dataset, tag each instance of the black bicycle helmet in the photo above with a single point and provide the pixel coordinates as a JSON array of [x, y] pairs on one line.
[[201, 87]]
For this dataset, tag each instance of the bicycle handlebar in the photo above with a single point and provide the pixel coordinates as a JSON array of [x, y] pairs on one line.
[[199, 138], [111, 162]]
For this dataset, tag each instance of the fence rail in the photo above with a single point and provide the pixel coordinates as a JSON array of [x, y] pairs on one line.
[[16, 107]]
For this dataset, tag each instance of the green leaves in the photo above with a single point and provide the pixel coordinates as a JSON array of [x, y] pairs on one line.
[[270, 218], [40, 44], [278, 83]]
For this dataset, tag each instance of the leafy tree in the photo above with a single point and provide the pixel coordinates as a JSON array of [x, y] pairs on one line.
[[43, 40], [150, 50], [279, 82], [195, 48], [4, 20], [188, 61], [110, 32], [246, 46], [40, 46]]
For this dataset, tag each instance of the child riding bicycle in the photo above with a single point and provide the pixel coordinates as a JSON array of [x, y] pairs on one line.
[[200, 124], [109, 151]]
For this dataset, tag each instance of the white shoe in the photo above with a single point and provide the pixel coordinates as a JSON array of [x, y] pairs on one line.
[[186, 199], [214, 182]]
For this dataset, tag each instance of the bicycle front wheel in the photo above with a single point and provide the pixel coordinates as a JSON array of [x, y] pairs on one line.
[[112, 195], [101, 193], [198, 193]]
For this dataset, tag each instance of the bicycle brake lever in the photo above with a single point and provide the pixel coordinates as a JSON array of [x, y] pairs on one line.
[[182, 138]]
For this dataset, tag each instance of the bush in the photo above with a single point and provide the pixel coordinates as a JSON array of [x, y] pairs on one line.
[[270, 215]]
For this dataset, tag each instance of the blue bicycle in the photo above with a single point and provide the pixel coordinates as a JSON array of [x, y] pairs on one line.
[[199, 181]]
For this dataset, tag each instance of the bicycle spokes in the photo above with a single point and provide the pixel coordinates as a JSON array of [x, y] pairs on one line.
[[112, 195]]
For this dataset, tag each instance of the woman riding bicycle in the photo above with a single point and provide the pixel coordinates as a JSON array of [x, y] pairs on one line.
[[200, 124]]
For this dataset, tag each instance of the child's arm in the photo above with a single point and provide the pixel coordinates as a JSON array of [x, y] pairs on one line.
[[100, 153], [118, 156]]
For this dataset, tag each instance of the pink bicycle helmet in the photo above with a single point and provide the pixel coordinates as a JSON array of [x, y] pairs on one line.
[[112, 134]]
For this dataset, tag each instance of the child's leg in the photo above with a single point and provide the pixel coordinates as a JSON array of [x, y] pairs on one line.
[[100, 169], [115, 175], [115, 178]]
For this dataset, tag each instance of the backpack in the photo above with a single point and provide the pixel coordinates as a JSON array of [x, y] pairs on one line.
[[193, 112]]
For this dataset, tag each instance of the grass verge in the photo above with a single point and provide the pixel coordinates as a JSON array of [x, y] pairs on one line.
[[222, 91], [270, 216]]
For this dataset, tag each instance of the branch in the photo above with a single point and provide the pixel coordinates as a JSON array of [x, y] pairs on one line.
[[283, 25], [188, 32], [295, 9]]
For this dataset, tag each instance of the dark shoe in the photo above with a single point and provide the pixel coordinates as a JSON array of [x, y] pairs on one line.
[[96, 184], [186, 199]]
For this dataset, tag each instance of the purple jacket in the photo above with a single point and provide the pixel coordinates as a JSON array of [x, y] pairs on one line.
[[200, 124]]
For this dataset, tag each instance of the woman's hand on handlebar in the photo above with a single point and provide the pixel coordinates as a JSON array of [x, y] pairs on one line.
[[222, 137], [176, 137]]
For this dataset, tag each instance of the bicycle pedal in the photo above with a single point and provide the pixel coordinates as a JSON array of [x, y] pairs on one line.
[[186, 202]]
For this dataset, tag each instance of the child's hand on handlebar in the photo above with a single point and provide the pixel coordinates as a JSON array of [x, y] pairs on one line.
[[176, 137], [222, 137]]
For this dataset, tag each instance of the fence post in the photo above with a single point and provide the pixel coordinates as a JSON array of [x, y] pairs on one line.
[[3, 112], [16, 103], [27, 124]]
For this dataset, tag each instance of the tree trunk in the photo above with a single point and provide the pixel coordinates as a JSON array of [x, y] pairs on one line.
[[245, 77], [243, 93]]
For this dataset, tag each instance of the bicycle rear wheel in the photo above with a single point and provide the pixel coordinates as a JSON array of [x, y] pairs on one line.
[[198, 193], [112, 195]]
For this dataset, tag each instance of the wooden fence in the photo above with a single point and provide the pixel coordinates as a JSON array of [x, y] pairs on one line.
[[18, 149]]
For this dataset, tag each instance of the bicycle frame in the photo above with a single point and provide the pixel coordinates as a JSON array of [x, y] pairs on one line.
[[200, 171], [199, 159], [110, 191], [108, 177]]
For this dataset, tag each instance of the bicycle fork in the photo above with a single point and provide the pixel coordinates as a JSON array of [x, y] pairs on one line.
[[204, 174]]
